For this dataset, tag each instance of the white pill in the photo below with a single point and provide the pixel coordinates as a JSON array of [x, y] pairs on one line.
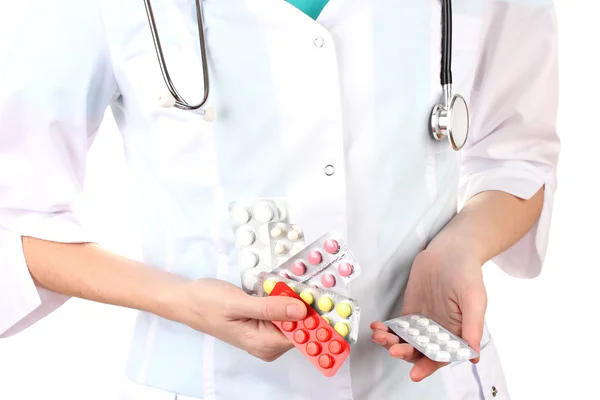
[[263, 234], [464, 352], [294, 234], [443, 337], [281, 210], [422, 340], [250, 280], [442, 356], [245, 236], [248, 259], [403, 324], [433, 329], [452, 345], [432, 347], [280, 248], [295, 250], [239, 215], [415, 317], [413, 332], [263, 212], [276, 232], [422, 322]]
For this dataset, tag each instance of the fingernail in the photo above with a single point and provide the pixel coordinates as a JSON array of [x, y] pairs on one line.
[[294, 311]]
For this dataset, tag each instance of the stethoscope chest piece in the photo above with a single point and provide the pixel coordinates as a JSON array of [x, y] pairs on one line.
[[451, 121]]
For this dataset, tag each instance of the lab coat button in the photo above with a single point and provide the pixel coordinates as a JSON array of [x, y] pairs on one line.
[[319, 42], [329, 170], [494, 391]]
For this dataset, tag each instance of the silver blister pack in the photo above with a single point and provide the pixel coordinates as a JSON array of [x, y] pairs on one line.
[[431, 339], [287, 240], [250, 223], [325, 263], [339, 311]]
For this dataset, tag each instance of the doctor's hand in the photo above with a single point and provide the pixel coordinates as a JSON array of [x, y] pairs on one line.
[[447, 286], [222, 310]]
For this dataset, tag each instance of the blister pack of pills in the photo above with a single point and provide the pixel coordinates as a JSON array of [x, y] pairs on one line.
[[250, 223], [313, 336], [340, 312], [286, 241], [326, 263], [431, 339]]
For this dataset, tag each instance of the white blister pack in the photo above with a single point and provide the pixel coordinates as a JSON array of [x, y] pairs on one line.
[[341, 312], [431, 339], [325, 263], [250, 223], [287, 240]]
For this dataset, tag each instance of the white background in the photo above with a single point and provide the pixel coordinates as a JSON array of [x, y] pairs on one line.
[[541, 326]]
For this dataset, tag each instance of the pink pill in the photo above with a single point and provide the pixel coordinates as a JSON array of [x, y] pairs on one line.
[[331, 246], [298, 268], [328, 280], [315, 257], [345, 269]]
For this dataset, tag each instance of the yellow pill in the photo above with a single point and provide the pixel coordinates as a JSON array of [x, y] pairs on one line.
[[269, 285], [342, 328], [344, 310], [307, 297], [325, 304], [327, 320]]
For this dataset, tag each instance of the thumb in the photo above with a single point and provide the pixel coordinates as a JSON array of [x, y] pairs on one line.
[[473, 309], [273, 308]]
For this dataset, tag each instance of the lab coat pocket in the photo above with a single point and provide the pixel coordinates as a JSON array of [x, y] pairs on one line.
[[482, 381]]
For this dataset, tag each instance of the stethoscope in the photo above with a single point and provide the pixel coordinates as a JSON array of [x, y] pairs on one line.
[[450, 119]]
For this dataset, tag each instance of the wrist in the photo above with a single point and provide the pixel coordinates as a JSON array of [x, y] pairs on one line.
[[461, 243]]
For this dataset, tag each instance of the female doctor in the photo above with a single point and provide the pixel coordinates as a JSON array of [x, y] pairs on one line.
[[326, 105]]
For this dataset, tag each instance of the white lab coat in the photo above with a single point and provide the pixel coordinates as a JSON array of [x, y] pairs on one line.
[[352, 90]]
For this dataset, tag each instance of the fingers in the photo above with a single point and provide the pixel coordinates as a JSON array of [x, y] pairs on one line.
[[405, 352], [424, 367], [473, 312], [276, 308], [385, 339]]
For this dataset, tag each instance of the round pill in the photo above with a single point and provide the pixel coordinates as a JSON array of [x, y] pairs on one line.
[[327, 320], [263, 236], [345, 269], [276, 232], [342, 328], [239, 215], [308, 297], [433, 329], [263, 212], [323, 334], [311, 323], [248, 259], [422, 340], [268, 285], [326, 361], [250, 280], [403, 324], [325, 304], [336, 347], [289, 326], [313, 349], [295, 250], [315, 257], [280, 248], [294, 234], [413, 331], [432, 347], [344, 309], [453, 345], [300, 336], [464, 352], [415, 317], [331, 246], [443, 337], [423, 322], [298, 268], [328, 280], [245, 236], [442, 356]]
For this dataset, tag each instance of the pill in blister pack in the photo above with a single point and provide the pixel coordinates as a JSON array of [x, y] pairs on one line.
[[327, 263], [431, 339], [341, 312], [287, 240], [250, 223]]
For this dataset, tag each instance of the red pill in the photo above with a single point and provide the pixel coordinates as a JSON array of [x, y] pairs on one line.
[[336, 347], [315, 257], [326, 361], [289, 326], [313, 349], [345, 269], [311, 322], [331, 246], [301, 336], [323, 334], [298, 268]]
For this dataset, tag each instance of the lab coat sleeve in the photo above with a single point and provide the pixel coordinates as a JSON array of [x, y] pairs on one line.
[[513, 144], [56, 84]]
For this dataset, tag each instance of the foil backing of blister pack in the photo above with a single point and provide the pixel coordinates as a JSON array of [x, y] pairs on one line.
[[431, 338], [337, 316]]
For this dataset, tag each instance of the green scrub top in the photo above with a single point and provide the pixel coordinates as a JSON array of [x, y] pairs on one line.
[[312, 8]]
